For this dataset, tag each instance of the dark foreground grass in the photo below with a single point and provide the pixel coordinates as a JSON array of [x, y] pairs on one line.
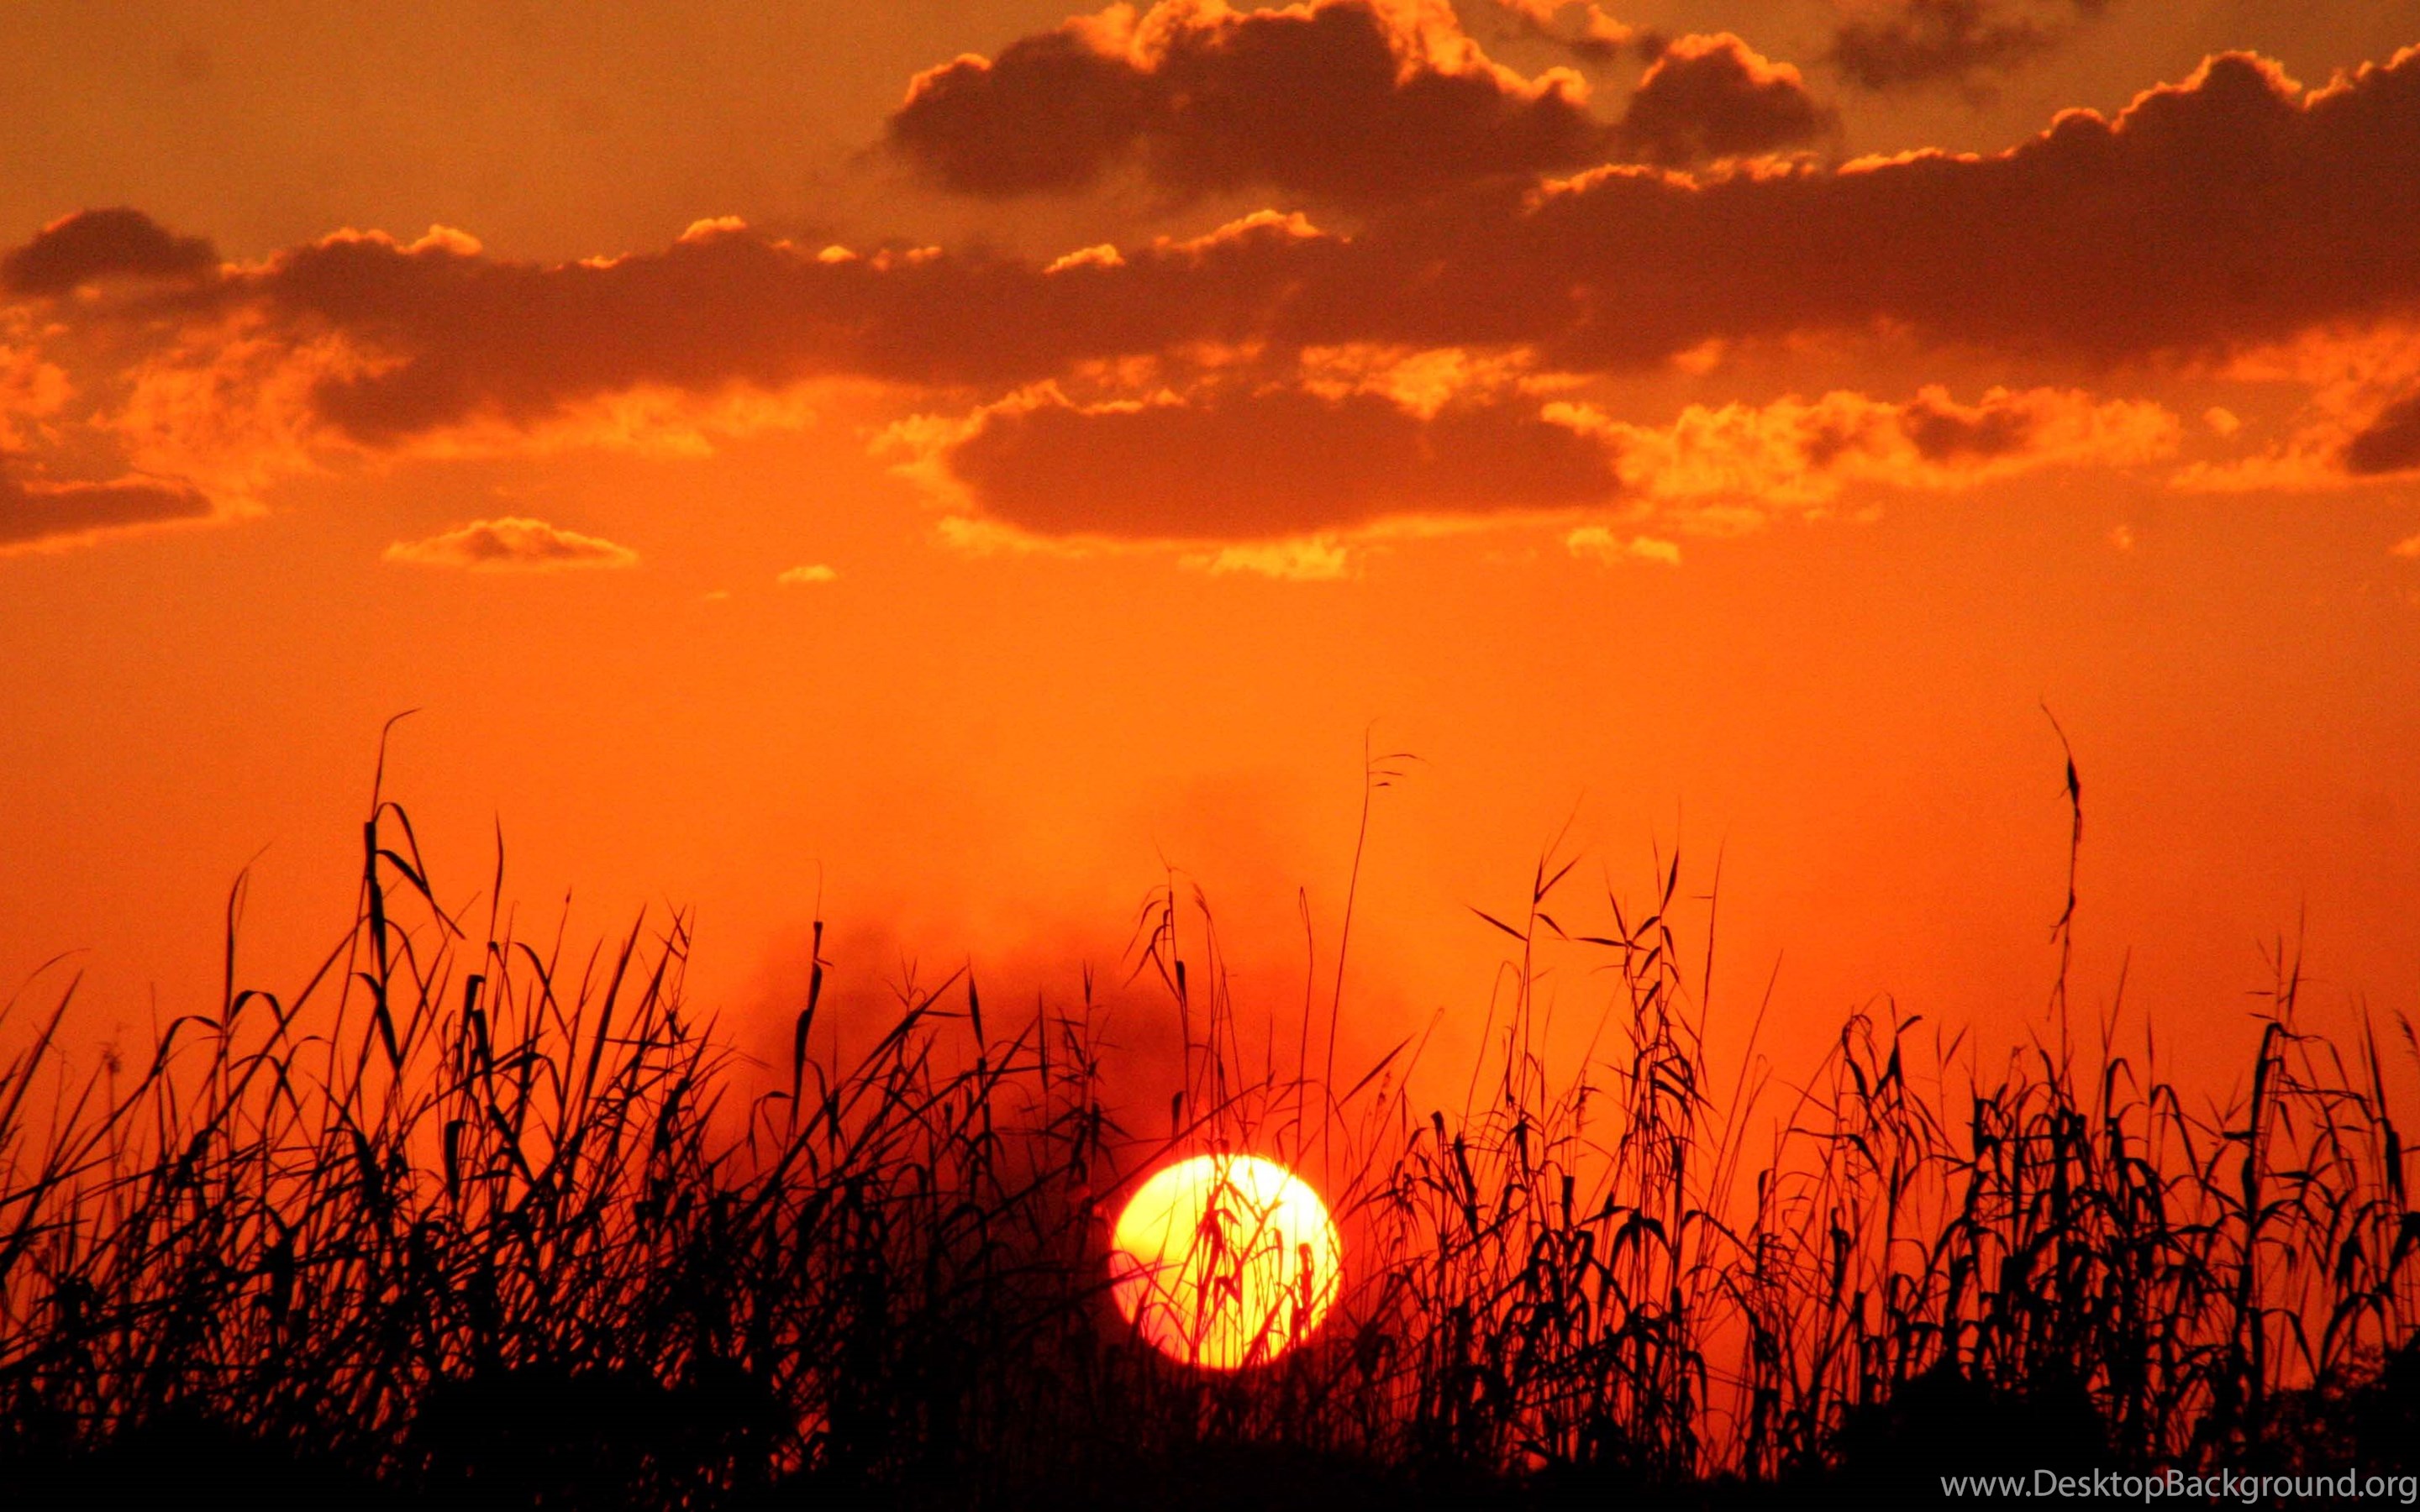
[[469, 1221]]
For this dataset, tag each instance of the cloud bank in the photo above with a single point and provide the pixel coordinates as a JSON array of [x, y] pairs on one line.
[[1185, 389], [2224, 211]]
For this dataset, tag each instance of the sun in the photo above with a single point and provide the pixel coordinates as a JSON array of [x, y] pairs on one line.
[[1225, 1262]]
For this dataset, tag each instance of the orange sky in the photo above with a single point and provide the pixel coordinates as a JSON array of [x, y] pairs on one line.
[[1735, 436]]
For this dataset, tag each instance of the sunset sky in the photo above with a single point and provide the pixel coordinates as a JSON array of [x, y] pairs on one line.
[[961, 462]]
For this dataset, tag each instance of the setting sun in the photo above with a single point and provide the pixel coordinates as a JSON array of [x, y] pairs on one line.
[[1224, 1260]]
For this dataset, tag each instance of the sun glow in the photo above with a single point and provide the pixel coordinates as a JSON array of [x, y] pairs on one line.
[[1224, 1260]]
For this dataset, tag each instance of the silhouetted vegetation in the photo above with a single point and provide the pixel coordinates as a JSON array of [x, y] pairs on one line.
[[474, 1221]]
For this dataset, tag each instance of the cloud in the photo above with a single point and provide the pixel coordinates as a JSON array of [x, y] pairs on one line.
[[1288, 470], [1795, 454], [1712, 97], [1310, 559], [2071, 244], [809, 576], [2408, 547], [1592, 35], [1604, 545], [2225, 215], [1259, 465], [43, 513], [2064, 246], [94, 244], [2389, 443], [1355, 103], [2358, 420], [1362, 103], [1920, 42], [512, 544]]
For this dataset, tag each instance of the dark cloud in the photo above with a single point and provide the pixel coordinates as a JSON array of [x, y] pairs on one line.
[[1284, 463], [1354, 102], [1360, 104], [1269, 464], [463, 337], [1942, 432], [2226, 210], [1920, 42], [1053, 112], [2220, 211], [36, 511], [93, 244], [2390, 443], [1712, 97]]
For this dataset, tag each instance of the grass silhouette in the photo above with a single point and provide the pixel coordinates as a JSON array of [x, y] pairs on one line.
[[472, 1221]]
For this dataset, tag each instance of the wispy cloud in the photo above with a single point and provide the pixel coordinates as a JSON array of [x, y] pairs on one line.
[[50, 513], [1316, 560], [1908, 44], [1604, 545]]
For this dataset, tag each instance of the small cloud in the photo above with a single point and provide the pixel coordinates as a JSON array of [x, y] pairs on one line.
[[808, 576], [718, 596], [719, 225], [512, 544], [94, 244], [2122, 538], [1285, 464], [1913, 43], [1598, 542], [1317, 560], [2408, 547], [2221, 421], [1715, 97], [50, 513], [1103, 256], [1702, 359]]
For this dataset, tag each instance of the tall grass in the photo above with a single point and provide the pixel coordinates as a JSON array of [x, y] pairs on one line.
[[474, 1219]]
